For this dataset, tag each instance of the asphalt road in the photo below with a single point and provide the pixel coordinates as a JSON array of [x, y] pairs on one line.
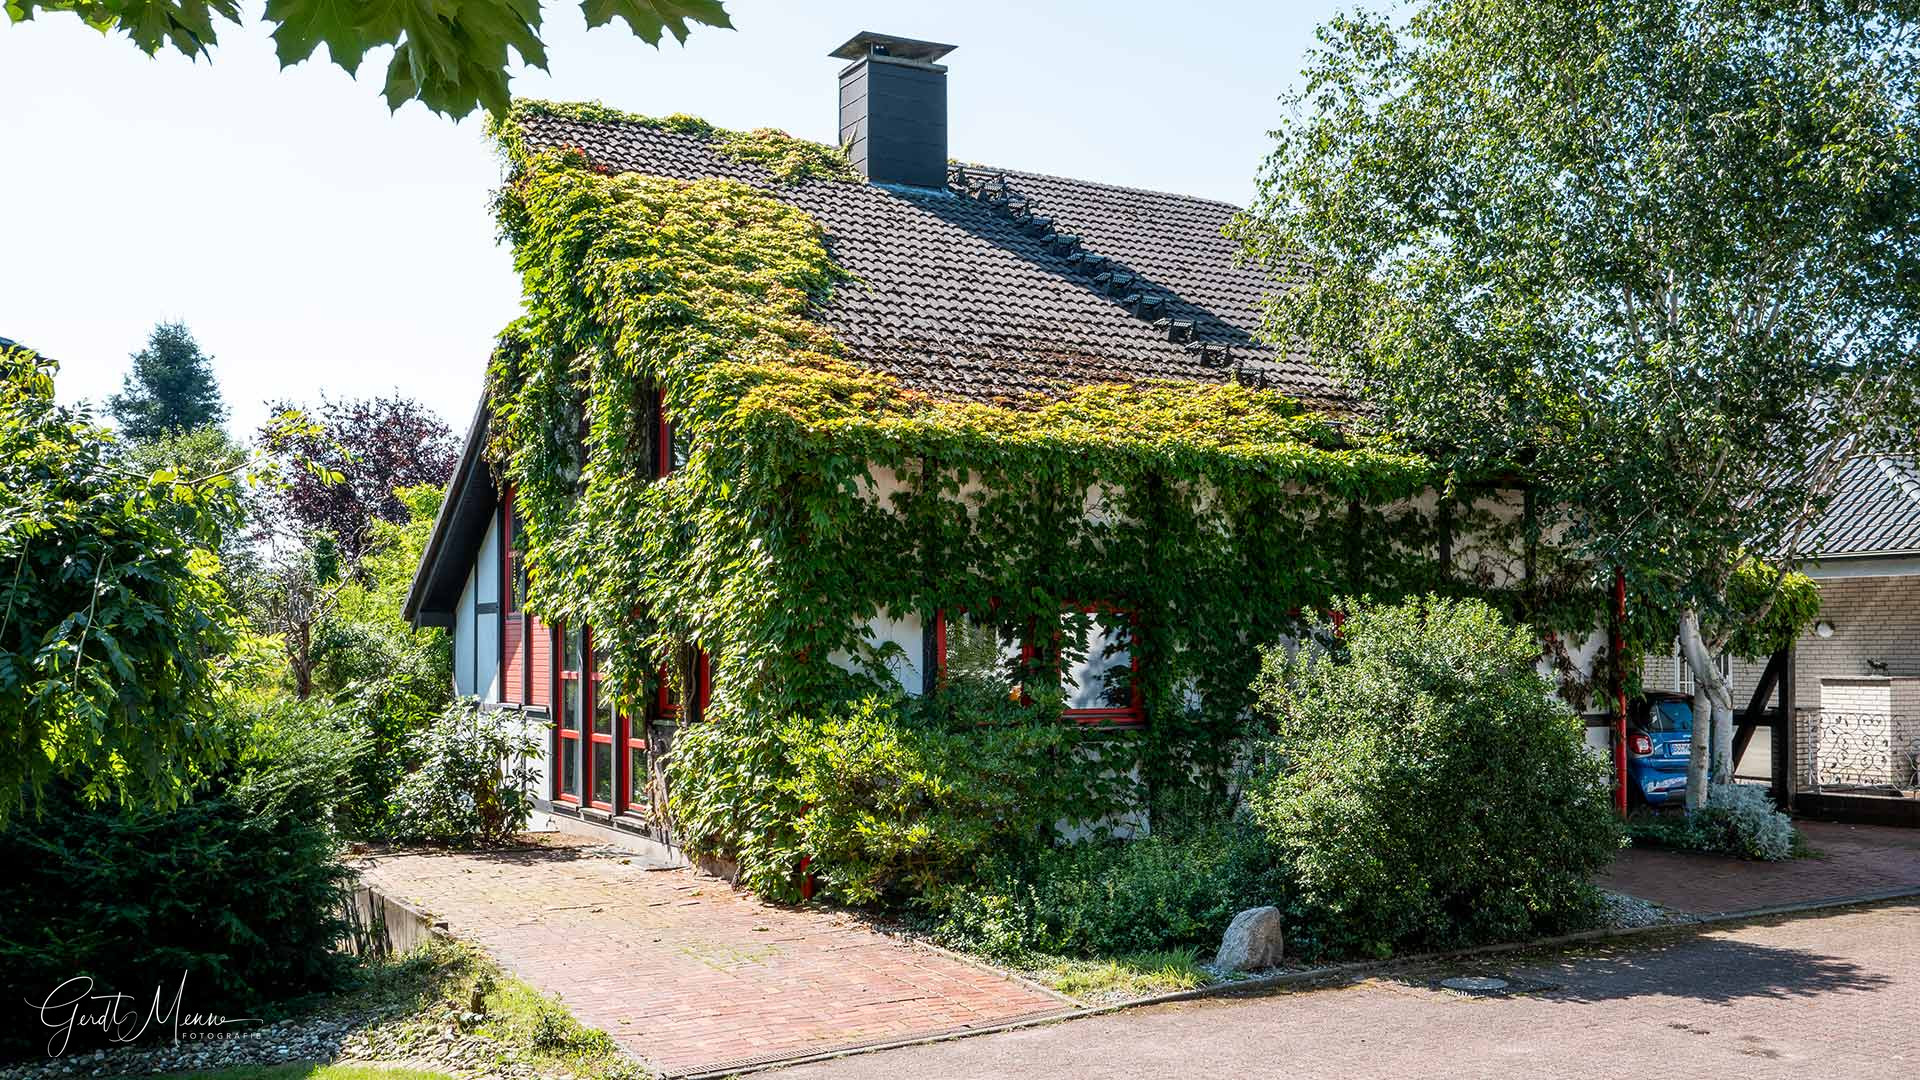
[[1834, 994]]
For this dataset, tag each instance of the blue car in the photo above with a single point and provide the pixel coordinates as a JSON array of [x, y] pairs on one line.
[[1659, 744]]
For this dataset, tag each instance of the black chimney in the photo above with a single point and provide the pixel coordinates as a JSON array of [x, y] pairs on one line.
[[893, 109]]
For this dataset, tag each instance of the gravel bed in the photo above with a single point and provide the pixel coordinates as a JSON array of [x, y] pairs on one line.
[[439, 1041], [1625, 912]]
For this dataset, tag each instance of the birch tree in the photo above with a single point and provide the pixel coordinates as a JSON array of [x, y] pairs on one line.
[[1659, 256]]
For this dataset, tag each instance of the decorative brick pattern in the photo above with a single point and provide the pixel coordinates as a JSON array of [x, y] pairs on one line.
[[688, 974]]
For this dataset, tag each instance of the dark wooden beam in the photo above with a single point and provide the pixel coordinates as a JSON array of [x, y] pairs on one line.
[[1743, 733]]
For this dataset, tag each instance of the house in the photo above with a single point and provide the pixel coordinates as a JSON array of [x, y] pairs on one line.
[[1851, 683], [781, 427]]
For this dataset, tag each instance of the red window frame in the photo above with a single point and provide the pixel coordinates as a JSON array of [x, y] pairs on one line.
[[633, 738], [583, 737], [1134, 714], [568, 743], [669, 710], [662, 435]]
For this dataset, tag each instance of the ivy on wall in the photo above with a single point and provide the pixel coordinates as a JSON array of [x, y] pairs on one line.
[[818, 494]]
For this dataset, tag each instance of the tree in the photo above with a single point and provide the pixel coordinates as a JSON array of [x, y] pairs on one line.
[[171, 389], [449, 57], [344, 478], [360, 452], [1661, 256], [112, 620]]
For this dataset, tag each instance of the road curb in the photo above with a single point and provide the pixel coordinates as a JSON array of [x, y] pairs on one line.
[[1334, 973]]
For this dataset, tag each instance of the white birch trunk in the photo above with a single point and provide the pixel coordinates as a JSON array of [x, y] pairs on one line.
[[1711, 760]]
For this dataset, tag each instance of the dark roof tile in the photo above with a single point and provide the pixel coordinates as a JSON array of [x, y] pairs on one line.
[[956, 299]]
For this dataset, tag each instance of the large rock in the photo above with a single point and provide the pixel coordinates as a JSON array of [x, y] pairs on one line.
[[1252, 942]]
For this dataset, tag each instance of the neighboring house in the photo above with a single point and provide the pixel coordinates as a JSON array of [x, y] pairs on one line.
[[974, 293], [1852, 682]]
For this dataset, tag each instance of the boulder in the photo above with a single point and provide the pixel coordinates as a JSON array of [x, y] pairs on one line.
[[1253, 941]]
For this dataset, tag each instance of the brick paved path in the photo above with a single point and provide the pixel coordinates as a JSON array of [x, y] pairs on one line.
[[688, 974], [1828, 995], [1850, 861]]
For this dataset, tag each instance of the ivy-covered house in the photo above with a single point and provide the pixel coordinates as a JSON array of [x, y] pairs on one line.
[[783, 427]]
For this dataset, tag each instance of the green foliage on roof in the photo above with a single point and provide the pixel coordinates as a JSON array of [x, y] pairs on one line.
[[789, 159]]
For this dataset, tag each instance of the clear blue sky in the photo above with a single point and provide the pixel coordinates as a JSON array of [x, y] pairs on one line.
[[315, 242]]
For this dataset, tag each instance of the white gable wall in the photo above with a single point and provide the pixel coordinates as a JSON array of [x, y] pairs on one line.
[[476, 624]]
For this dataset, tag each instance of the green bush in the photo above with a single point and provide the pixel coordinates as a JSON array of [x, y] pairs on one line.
[[239, 889], [1738, 820], [886, 799], [1112, 898], [471, 782], [1424, 786]]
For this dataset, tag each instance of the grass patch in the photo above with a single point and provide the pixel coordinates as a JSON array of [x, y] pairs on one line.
[[449, 985], [1160, 971], [310, 1073], [402, 1008]]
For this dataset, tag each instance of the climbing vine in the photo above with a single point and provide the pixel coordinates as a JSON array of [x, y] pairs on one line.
[[817, 495]]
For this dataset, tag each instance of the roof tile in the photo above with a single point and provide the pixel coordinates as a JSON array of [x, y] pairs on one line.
[[956, 299]]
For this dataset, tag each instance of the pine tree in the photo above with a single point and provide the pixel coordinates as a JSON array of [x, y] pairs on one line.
[[171, 389]]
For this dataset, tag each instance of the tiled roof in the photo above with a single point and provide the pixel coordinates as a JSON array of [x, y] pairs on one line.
[[1875, 510], [957, 299]]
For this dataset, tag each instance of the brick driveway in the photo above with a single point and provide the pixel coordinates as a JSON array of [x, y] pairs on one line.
[[688, 974], [1849, 861], [1835, 994]]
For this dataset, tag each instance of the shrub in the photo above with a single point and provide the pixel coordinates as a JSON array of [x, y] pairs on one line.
[[471, 783], [1424, 785], [1112, 898], [1738, 820], [885, 799], [238, 890]]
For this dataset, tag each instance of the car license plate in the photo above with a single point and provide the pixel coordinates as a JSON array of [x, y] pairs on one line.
[[1668, 784]]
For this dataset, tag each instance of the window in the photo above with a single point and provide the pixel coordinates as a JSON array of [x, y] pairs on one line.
[[670, 450], [588, 723], [573, 707], [513, 558], [978, 651], [1090, 653], [1098, 669], [668, 701]]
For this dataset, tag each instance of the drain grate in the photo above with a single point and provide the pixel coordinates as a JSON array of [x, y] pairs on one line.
[[1475, 984]]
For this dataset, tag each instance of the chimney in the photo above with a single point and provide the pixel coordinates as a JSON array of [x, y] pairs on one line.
[[893, 109]]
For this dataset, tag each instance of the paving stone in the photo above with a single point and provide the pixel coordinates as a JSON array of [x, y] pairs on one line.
[[687, 973]]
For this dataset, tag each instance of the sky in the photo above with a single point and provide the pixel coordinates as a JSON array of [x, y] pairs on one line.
[[318, 244]]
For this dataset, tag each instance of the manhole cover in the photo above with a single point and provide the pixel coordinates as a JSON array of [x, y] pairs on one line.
[[1474, 984]]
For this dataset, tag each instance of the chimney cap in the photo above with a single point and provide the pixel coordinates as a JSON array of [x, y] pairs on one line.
[[860, 45]]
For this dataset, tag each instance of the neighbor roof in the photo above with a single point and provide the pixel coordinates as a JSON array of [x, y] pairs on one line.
[[1875, 509], [957, 299]]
